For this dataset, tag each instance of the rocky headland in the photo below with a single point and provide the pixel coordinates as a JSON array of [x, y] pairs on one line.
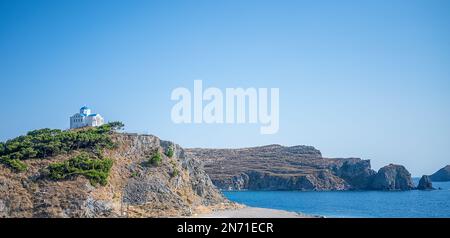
[[64, 184], [442, 175], [302, 168]]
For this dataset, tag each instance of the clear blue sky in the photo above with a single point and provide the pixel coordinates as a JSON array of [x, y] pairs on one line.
[[367, 79]]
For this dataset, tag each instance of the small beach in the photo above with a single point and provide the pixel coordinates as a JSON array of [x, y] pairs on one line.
[[253, 212]]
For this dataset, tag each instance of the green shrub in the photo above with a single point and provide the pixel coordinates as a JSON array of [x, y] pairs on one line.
[[116, 125], [94, 169], [170, 152], [134, 174], [2, 148], [155, 160], [175, 172], [45, 143], [14, 164]]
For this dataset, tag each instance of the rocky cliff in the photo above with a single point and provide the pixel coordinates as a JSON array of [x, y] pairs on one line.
[[442, 175], [276, 167], [178, 186], [392, 177], [425, 183]]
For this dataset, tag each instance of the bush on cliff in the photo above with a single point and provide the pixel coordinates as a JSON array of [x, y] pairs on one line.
[[155, 160], [45, 143], [170, 152], [94, 169], [14, 164], [175, 171]]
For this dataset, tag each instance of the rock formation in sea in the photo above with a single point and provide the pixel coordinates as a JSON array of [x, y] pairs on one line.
[[303, 168], [425, 183], [442, 175], [178, 186], [392, 177]]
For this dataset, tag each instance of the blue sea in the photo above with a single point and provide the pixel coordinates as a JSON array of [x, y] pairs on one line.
[[353, 204]]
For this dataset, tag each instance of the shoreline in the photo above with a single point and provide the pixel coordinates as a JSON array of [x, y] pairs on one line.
[[253, 212]]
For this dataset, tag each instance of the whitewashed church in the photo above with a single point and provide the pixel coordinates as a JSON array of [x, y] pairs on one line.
[[85, 118]]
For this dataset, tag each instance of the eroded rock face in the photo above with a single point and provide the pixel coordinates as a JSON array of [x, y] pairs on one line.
[[318, 181], [133, 190], [442, 175], [425, 183], [392, 177], [357, 173], [276, 167], [303, 168]]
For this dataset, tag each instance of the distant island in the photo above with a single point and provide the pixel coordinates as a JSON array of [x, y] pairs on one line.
[[443, 175]]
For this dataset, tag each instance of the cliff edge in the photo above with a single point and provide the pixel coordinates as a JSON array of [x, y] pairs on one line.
[[276, 167], [71, 183]]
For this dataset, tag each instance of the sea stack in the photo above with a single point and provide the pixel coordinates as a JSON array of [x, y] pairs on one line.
[[393, 177], [425, 183]]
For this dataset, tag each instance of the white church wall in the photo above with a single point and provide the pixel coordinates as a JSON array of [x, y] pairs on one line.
[[83, 119]]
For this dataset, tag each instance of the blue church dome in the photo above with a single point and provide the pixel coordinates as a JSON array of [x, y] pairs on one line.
[[85, 119]]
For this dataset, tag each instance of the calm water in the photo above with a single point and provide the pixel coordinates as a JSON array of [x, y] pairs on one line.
[[353, 204]]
